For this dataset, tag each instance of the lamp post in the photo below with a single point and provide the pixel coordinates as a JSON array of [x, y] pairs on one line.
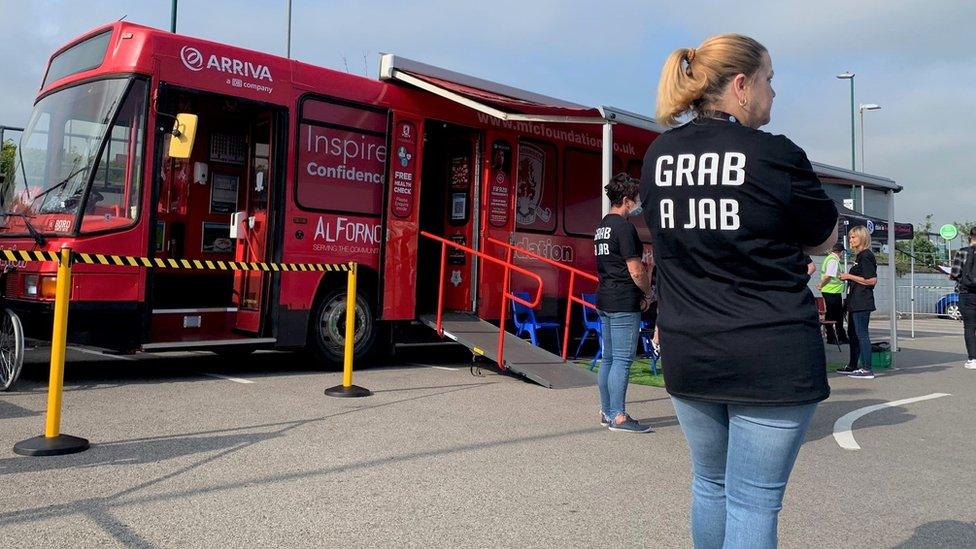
[[288, 47], [850, 76], [172, 19], [847, 75], [865, 107], [862, 108]]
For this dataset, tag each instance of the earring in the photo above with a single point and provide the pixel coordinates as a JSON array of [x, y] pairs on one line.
[[742, 102]]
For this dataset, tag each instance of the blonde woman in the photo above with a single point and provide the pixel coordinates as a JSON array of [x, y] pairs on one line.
[[861, 278], [734, 213]]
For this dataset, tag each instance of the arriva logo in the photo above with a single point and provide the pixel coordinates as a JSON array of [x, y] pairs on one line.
[[193, 60]]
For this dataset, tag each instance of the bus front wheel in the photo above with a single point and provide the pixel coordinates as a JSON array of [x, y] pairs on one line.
[[329, 326]]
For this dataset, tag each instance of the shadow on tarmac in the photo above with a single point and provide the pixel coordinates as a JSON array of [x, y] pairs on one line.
[[155, 449], [225, 441], [941, 533]]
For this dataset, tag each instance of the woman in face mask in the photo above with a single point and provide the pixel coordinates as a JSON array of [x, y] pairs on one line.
[[622, 294]]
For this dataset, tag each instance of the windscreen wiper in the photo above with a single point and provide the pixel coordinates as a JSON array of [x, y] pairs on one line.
[[35, 234], [62, 183]]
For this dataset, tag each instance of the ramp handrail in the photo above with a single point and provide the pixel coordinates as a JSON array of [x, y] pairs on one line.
[[506, 294], [573, 273]]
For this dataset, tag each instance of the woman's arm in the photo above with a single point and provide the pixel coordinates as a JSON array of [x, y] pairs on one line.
[[872, 282], [639, 274]]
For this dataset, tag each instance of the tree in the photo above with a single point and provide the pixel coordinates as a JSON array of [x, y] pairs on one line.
[[7, 155], [964, 228], [926, 252]]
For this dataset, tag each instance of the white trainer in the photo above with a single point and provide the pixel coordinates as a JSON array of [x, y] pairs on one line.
[[970, 365]]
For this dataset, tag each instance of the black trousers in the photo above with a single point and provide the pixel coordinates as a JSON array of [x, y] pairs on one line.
[[967, 306], [835, 312]]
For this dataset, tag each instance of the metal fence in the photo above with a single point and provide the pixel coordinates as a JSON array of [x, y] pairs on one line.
[[927, 301]]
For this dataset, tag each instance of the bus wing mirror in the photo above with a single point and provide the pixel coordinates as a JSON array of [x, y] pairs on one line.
[[184, 131]]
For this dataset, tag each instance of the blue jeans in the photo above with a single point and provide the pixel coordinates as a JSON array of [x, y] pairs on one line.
[[741, 458], [859, 338], [619, 345]]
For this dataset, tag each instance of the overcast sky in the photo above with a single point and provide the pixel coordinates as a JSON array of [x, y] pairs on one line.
[[914, 58]]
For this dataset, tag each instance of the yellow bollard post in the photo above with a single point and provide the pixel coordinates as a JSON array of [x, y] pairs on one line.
[[53, 443], [347, 389]]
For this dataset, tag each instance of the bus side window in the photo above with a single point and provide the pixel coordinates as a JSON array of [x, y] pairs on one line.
[[582, 192], [342, 157]]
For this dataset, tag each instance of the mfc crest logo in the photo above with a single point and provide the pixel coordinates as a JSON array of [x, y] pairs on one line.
[[193, 59]]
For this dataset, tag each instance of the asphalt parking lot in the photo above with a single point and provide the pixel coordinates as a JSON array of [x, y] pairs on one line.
[[192, 450]]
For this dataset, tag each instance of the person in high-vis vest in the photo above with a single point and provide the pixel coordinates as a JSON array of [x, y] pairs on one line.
[[832, 289]]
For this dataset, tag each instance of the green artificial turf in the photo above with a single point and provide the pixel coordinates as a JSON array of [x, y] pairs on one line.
[[640, 372]]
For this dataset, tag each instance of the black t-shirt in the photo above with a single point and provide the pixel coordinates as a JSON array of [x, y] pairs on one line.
[[859, 297], [614, 243], [730, 210]]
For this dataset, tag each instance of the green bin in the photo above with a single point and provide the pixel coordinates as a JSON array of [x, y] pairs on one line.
[[880, 355]]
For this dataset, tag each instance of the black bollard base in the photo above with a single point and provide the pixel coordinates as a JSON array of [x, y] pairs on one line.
[[51, 446], [352, 391]]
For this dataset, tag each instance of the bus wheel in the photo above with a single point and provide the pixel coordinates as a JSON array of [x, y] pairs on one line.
[[11, 349], [329, 326]]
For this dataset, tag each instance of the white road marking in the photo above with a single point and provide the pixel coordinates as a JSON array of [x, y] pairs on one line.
[[445, 368], [101, 354], [843, 426], [228, 378]]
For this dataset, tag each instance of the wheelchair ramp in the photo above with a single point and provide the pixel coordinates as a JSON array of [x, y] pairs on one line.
[[521, 357]]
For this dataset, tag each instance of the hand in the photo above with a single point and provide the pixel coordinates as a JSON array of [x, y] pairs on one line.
[[845, 276], [645, 303]]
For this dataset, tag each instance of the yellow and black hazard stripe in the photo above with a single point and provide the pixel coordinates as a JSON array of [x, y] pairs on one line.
[[16, 256], [206, 264], [160, 263]]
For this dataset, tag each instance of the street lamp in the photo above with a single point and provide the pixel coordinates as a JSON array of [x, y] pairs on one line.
[[846, 75], [864, 107]]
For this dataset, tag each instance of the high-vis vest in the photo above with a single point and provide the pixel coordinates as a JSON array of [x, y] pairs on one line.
[[834, 285]]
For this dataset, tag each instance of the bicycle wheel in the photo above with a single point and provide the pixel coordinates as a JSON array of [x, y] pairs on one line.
[[11, 349]]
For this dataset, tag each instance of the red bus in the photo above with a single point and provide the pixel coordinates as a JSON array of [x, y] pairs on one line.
[[292, 163]]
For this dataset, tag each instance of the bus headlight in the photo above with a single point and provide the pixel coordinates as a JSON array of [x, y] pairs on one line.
[[30, 285]]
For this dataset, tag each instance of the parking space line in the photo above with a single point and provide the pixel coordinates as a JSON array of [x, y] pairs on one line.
[[843, 427], [422, 365], [99, 353], [228, 378]]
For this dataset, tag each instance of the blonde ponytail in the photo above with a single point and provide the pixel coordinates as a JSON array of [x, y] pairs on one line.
[[678, 88], [691, 78]]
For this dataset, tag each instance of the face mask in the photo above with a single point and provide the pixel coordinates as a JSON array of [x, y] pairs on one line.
[[636, 210]]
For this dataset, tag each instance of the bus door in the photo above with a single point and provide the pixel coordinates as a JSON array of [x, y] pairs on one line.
[[450, 196], [250, 226], [497, 216]]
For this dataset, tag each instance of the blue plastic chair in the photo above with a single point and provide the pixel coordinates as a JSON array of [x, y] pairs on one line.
[[526, 323], [591, 325], [645, 336]]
